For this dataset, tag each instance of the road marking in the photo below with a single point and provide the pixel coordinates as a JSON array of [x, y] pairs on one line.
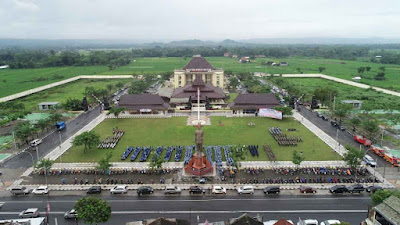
[[55, 221], [200, 200], [217, 212]]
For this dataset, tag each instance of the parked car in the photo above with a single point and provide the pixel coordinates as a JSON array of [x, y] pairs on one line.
[[246, 190], [330, 222], [202, 180], [373, 188], [71, 214], [30, 213], [272, 190], [307, 189], [369, 161], [218, 190], [308, 222], [319, 114], [21, 191], [94, 190], [337, 189], [333, 123], [342, 128], [196, 190], [172, 190], [324, 118], [145, 190], [120, 189], [41, 190], [356, 188], [36, 142]]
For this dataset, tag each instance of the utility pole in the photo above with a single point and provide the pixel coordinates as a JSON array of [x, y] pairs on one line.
[[37, 153], [334, 102], [382, 137], [15, 143]]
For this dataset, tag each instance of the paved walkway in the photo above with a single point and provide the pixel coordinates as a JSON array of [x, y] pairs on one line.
[[321, 134], [348, 82]]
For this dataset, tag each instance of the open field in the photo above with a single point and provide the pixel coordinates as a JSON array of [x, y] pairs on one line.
[[173, 131], [62, 93], [371, 99], [14, 81]]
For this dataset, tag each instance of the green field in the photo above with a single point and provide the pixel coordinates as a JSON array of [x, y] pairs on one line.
[[62, 93], [16, 80], [371, 99], [173, 131]]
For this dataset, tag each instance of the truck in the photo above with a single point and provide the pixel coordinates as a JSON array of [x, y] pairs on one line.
[[362, 140], [61, 125]]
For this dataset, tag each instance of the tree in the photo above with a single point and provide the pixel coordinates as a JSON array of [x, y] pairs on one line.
[[119, 85], [382, 68], [321, 69], [380, 195], [23, 131], [368, 68], [116, 111], [138, 87], [380, 76], [341, 111], [157, 162], [88, 139], [54, 117], [288, 111], [371, 127], [360, 70], [73, 104], [104, 163], [355, 121], [353, 157], [93, 210], [297, 158], [45, 164], [260, 89], [42, 124], [233, 82], [325, 94], [109, 88]]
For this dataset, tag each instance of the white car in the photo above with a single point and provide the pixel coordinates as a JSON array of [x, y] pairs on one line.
[[308, 222], [29, 213], [121, 189], [36, 142], [172, 190], [246, 190], [369, 161], [330, 222], [218, 190], [41, 190]]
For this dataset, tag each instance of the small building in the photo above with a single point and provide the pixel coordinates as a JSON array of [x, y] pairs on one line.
[[143, 104], [356, 78], [386, 213], [27, 221], [251, 103], [355, 103], [226, 54], [234, 56], [48, 105], [4, 67], [245, 59], [165, 93], [245, 219], [284, 64], [378, 56]]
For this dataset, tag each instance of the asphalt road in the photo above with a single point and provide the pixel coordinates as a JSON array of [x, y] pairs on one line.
[[24, 160], [351, 209]]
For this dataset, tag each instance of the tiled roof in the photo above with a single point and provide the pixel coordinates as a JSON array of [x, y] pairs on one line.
[[254, 101], [246, 220], [390, 209], [198, 63], [142, 101], [283, 222]]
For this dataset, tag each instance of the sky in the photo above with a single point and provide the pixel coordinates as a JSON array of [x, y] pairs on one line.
[[155, 20]]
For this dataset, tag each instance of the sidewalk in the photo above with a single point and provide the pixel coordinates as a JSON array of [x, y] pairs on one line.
[[321, 134]]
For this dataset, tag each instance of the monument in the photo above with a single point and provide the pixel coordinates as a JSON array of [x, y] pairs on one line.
[[199, 165]]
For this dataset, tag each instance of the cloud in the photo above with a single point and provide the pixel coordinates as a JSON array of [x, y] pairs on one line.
[[26, 4]]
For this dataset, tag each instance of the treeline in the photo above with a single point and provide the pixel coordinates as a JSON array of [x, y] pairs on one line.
[[18, 59]]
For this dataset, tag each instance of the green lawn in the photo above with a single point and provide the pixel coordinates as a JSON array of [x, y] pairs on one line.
[[16, 80], [370, 98], [173, 131], [62, 93], [232, 97]]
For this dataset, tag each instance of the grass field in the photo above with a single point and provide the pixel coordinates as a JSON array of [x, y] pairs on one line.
[[173, 131], [374, 99], [14, 81], [62, 93]]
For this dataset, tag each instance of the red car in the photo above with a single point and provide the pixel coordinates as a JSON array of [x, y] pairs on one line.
[[307, 189]]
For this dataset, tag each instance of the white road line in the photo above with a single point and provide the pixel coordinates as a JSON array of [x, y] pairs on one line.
[[201, 200], [216, 212]]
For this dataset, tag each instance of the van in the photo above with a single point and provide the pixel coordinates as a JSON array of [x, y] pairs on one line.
[[369, 161], [36, 142], [21, 191], [272, 190]]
